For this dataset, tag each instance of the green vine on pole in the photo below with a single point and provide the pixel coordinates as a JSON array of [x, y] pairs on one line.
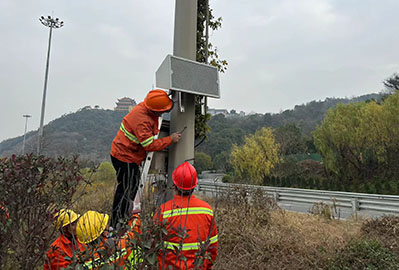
[[201, 126]]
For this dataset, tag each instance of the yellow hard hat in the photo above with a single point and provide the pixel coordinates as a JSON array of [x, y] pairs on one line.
[[90, 226], [65, 217]]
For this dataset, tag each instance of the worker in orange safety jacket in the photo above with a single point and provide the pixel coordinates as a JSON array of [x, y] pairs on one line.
[[93, 230], [191, 217], [134, 139], [61, 251]]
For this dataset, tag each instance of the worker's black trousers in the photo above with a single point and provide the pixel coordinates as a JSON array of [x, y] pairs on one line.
[[128, 176]]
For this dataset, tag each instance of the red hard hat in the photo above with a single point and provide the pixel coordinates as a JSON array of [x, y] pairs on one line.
[[185, 176], [158, 101]]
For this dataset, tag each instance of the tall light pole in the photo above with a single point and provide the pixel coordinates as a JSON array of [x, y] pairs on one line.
[[51, 23], [27, 116]]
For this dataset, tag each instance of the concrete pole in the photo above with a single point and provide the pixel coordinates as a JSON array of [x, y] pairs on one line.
[[184, 45]]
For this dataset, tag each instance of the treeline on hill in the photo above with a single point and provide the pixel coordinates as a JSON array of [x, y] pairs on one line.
[[87, 132], [231, 129], [355, 148]]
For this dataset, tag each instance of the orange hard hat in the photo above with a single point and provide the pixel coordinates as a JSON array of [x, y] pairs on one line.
[[158, 101], [185, 176]]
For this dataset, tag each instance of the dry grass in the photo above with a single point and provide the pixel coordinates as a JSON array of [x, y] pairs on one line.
[[96, 196], [385, 230], [255, 234], [263, 238]]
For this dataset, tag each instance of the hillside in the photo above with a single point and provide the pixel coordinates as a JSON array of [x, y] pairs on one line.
[[89, 132], [231, 129]]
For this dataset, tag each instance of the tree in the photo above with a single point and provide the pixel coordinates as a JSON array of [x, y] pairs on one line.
[[392, 83], [202, 162], [389, 139], [290, 139], [349, 140], [222, 162], [255, 159]]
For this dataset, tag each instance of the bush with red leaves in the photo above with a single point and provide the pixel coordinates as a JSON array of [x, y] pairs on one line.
[[32, 190]]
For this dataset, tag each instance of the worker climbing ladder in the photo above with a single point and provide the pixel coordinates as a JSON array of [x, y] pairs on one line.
[[144, 172]]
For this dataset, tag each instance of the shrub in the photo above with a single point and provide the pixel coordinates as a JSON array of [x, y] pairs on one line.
[[32, 190], [384, 229], [202, 162], [227, 178], [365, 254]]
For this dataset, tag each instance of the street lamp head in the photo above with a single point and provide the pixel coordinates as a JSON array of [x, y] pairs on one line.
[[51, 22]]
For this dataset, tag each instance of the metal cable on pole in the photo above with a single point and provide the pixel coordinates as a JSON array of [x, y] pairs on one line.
[[51, 23]]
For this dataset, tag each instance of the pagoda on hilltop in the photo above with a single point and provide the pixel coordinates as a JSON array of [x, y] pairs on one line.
[[125, 104]]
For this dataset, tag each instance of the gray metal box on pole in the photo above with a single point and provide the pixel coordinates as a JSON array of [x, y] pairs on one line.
[[184, 75]]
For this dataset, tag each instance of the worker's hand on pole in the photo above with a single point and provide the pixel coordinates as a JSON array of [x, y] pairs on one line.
[[175, 137]]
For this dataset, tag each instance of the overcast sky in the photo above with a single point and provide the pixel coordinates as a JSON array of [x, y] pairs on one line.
[[280, 53]]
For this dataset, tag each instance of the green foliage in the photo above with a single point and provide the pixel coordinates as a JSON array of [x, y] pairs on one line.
[[222, 162], [359, 141], [202, 162], [226, 131], [227, 178], [365, 254], [201, 120], [105, 172], [290, 139], [255, 159], [87, 133], [204, 52], [214, 24]]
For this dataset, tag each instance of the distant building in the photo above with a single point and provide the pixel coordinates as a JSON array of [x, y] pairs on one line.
[[125, 104], [218, 111]]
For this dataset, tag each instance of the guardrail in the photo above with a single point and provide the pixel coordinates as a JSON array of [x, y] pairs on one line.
[[354, 201]]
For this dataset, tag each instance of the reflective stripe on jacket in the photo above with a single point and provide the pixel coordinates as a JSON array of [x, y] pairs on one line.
[[97, 260], [61, 249], [135, 136], [197, 218]]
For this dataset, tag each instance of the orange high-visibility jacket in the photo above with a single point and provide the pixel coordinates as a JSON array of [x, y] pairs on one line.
[[197, 218], [98, 259], [125, 242], [121, 253], [61, 248], [135, 225], [136, 136]]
